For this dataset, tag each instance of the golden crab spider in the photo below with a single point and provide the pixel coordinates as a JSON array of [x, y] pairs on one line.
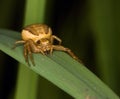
[[38, 38]]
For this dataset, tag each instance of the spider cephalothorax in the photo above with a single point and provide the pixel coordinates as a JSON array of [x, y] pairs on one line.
[[38, 38]]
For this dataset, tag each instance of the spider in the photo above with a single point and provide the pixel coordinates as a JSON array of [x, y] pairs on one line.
[[38, 38]]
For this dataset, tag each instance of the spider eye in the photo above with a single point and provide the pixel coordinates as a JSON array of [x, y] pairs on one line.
[[38, 42]]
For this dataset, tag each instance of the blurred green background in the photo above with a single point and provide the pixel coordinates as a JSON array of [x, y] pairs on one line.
[[89, 27]]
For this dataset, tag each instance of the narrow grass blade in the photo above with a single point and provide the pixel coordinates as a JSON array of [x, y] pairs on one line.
[[61, 70], [105, 17], [34, 13]]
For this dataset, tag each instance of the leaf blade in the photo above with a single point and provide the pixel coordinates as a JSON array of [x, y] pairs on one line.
[[60, 69]]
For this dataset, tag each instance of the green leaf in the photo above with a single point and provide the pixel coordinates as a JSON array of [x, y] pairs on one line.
[[60, 69]]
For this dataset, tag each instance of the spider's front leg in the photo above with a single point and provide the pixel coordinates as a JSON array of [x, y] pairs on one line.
[[62, 48], [29, 48], [53, 37], [27, 53]]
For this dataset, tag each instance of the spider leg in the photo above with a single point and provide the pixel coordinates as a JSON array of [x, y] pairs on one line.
[[35, 48], [26, 53], [18, 42], [51, 49], [31, 56], [39, 50], [62, 48], [29, 48], [55, 37]]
